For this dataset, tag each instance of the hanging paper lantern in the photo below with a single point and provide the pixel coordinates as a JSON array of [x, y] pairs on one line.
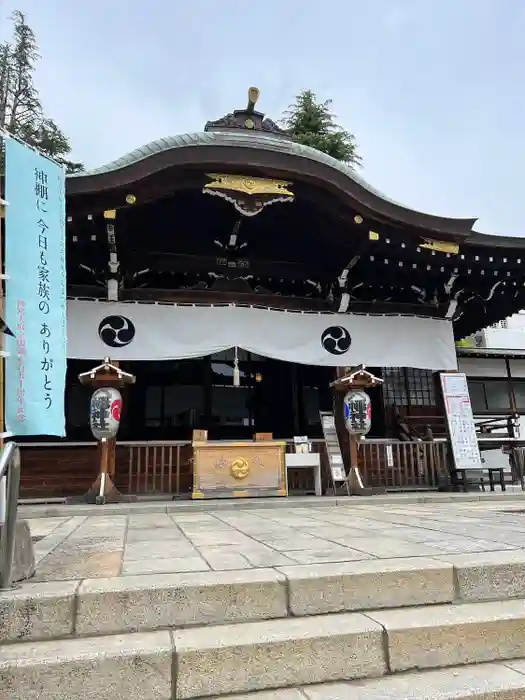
[[358, 412], [104, 415]]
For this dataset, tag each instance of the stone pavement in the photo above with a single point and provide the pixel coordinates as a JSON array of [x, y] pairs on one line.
[[108, 545]]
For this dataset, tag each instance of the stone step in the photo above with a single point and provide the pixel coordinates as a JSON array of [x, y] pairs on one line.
[[283, 653], [125, 667], [277, 654], [39, 611], [200, 662], [477, 682], [450, 635], [213, 660]]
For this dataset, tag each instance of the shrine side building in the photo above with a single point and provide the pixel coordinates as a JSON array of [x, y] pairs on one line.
[[236, 273]]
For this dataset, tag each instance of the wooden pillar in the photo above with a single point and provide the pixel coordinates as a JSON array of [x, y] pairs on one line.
[[356, 481], [342, 432], [111, 445], [510, 387]]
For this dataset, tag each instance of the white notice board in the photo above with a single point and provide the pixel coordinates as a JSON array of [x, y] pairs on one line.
[[460, 421], [328, 422], [337, 468]]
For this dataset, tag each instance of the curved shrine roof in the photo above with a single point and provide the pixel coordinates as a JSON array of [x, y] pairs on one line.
[[260, 149], [247, 139]]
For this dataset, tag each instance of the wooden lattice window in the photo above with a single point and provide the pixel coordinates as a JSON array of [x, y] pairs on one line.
[[406, 386], [395, 388]]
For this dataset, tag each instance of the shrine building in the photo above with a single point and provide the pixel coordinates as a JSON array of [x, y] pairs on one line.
[[236, 273]]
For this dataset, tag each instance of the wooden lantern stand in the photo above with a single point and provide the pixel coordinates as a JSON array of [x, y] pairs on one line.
[[355, 379], [103, 489]]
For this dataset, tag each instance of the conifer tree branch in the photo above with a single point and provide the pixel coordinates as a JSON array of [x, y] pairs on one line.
[[313, 124], [21, 110]]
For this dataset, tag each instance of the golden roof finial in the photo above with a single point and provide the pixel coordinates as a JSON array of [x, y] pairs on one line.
[[253, 96]]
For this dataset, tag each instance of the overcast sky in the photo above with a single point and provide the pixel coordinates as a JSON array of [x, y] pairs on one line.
[[433, 89]]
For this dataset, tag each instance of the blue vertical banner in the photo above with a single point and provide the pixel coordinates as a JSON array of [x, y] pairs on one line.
[[35, 309]]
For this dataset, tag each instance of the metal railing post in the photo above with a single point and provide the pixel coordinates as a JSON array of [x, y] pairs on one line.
[[9, 464], [3, 499]]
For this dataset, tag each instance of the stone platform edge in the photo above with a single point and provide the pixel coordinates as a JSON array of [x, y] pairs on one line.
[[499, 681], [149, 602], [187, 506], [330, 649]]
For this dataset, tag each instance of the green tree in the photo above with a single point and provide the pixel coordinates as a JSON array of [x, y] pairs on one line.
[[49, 139], [21, 111], [312, 123]]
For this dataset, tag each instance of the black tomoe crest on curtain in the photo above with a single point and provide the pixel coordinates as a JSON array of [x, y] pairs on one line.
[[116, 331], [336, 340]]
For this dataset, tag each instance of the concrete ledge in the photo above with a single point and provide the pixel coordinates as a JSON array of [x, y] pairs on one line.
[[136, 603], [38, 611], [480, 682], [163, 506], [485, 682], [450, 635], [147, 602], [362, 585], [489, 575], [277, 653], [150, 602], [140, 667], [282, 694], [135, 667]]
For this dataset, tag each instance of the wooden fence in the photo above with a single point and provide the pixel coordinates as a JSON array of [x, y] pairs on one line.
[[156, 468], [165, 467], [400, 465]]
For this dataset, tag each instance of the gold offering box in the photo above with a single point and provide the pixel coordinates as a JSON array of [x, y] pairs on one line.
[[238, 469]]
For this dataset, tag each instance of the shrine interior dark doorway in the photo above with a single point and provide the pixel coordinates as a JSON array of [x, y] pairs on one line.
[[172, 398]]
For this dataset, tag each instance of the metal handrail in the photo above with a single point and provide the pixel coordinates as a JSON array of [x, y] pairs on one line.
[[10, 468]]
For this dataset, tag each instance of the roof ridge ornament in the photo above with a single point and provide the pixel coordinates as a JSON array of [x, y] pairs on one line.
[[248, 119]]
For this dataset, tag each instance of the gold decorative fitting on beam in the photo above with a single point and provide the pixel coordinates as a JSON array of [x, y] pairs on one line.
[[110, 214], [373, 236], [248, 185], [440, 246], [249, 195]]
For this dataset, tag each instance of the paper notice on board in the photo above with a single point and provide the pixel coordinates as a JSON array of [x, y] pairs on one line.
[[328, 422], [460, 421]]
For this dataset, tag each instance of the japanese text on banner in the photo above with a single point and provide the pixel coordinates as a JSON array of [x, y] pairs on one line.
[[35, 293]]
